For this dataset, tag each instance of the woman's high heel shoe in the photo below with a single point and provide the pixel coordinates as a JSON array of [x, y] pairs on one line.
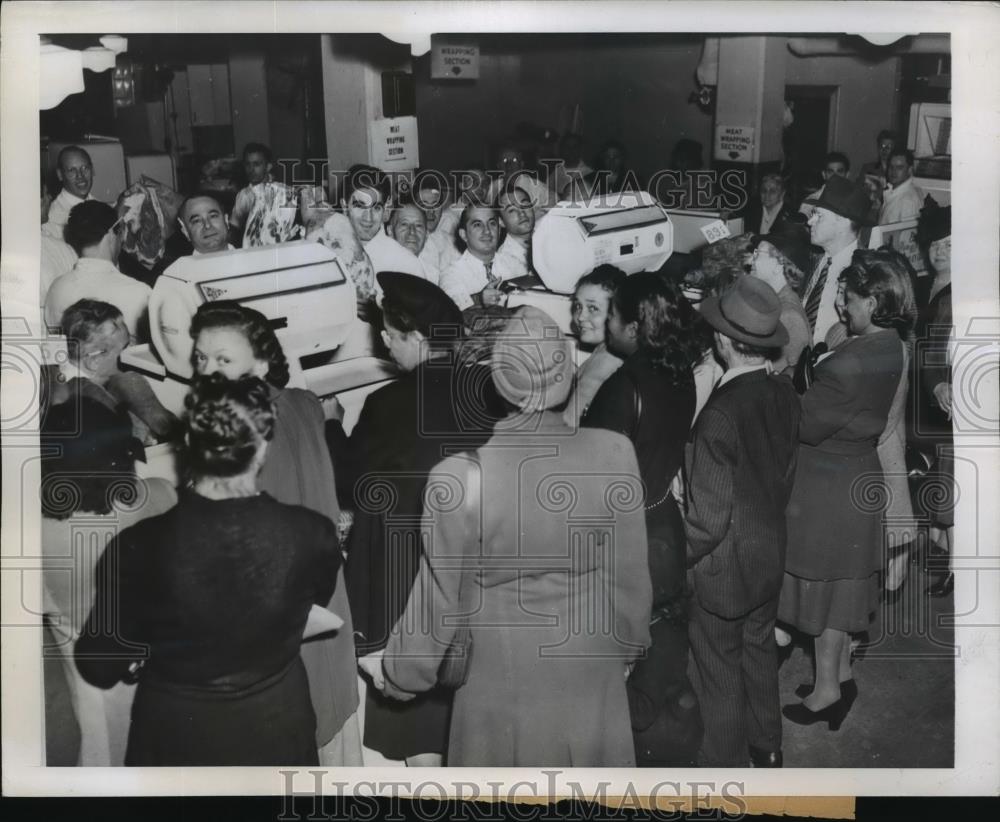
[[834, 714], [943, 587]]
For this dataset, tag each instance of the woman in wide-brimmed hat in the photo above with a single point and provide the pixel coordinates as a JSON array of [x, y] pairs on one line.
[[548, 521]]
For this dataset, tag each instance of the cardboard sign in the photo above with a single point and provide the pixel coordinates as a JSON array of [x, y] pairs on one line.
[[715, 231], [392, 143], [734, 143], [454, 58]]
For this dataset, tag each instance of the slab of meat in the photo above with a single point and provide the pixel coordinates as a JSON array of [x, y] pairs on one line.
[[272, 216], [147, 210], [337, 235]]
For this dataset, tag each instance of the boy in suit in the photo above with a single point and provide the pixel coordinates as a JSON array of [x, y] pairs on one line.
[[740, 467]]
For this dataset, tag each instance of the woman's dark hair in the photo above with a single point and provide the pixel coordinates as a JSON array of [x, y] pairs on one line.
[[605, 276], [667, 323], [254, 326], [224, 425], [887, 276], [88, 459]]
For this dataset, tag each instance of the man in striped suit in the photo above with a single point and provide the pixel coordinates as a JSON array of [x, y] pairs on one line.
[[740, 466]]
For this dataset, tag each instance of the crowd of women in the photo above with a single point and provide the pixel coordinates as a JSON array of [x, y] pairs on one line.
[[513, 584]]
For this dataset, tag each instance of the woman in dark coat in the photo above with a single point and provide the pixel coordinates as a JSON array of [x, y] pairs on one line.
[[235, 341], [931, 395], [216, 613], [651, 400], [404, 430], [562, 602], [835, 528]]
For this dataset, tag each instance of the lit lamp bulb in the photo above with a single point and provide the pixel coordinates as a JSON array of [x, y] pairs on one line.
[[60, 74], [115, 43], [98, 58]]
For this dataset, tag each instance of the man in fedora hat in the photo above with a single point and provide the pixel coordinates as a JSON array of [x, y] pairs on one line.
[[740, 466], [839, 213]]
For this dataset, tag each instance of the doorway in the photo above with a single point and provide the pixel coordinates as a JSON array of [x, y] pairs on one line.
[[807, 140]]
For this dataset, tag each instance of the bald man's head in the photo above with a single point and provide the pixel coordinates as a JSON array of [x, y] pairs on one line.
[[75, 171]]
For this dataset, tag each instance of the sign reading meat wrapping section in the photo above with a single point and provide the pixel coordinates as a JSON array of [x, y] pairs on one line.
[[392, 143], [454, 58], [734, 143]]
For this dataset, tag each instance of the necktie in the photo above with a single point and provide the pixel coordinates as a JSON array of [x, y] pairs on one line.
[[491, 281], [816, 294]]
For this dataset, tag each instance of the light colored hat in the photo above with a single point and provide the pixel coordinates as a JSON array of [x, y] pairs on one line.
[[532, 361]]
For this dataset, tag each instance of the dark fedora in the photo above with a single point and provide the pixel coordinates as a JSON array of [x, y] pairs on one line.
[[934, 223], [431, 311], [792, 240], [747, 311], [846, 198]]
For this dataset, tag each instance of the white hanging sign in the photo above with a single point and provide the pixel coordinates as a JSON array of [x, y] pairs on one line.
[[392, 143], [734, 144], [454, 58]]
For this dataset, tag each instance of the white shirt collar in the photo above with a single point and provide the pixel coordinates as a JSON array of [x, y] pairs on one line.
[[71, 199], [739, 370], [196, 253]]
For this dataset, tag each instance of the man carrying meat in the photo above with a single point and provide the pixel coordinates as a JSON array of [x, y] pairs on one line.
[[257, 165]]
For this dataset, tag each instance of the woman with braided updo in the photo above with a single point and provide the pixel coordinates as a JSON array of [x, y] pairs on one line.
[[237, 341], [209, 608]]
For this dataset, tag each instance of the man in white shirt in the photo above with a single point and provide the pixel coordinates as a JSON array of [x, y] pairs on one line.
[[91, 232], [367, 196], [834, 225], [408, 227], [903, 199], [476, 276], [205, 224], [76, 173], [56, 256], [439, 250], [518, 218], [257, 165]]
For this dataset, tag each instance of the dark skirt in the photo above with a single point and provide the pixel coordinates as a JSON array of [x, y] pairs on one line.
[[834, 516], [400, 729], [271, 723], [840, 604]]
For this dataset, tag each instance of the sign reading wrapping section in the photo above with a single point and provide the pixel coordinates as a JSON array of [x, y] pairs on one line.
[[392, 143], [734, 143], [454, 58]]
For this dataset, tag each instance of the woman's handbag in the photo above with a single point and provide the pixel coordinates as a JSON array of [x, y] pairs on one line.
[[454, 670], [803, 377]]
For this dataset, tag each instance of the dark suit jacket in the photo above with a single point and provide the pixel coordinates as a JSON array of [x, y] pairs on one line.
[[404, 430], [754, 213], [740, 469]]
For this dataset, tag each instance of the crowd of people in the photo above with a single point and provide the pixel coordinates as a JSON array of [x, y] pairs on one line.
[[532, 548]]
